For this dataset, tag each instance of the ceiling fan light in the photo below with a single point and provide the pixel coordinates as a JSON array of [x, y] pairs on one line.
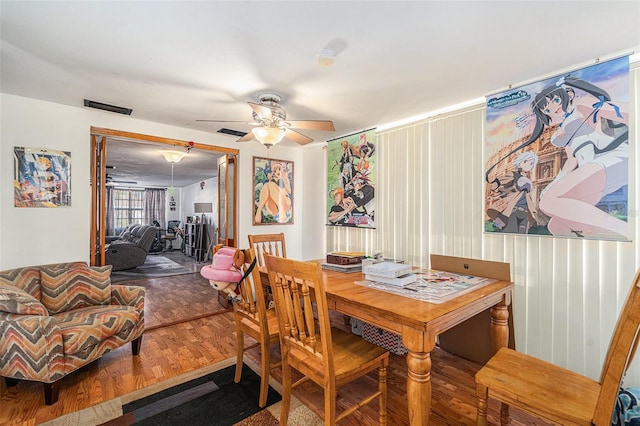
[[173, 156], [326, 58], [268, 136]]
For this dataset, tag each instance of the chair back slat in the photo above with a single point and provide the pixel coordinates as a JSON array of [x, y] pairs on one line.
[[291, 283], [252, 304], [272, 244], [619, 355]]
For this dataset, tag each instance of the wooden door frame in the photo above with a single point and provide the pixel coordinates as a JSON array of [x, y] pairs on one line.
[[98, 136], [228, 240]]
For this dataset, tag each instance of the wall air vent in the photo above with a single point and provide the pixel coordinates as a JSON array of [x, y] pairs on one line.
[[107, 107], [237, 133]]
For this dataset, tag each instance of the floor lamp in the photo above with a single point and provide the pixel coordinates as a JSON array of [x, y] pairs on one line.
[[202, 208]]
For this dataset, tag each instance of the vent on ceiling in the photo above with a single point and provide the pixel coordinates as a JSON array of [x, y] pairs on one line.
[[237, 133], [107, 107]]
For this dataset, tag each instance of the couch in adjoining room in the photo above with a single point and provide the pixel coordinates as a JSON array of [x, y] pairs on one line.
[[57, 318], [131, 249]]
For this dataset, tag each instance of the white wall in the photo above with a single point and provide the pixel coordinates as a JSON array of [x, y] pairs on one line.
[[315, 215], [191, 194], [32, 236]]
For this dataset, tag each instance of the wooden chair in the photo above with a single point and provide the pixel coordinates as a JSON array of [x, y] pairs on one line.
[[254, 319], [557, 394], [329, 357], [272, 244]]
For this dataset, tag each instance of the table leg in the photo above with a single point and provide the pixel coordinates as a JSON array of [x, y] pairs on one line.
[[499, 326], [500, 339], [419, 385]]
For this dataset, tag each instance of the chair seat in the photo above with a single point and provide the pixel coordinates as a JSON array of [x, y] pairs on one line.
[[352, 355], [252, 328], [539, 387]]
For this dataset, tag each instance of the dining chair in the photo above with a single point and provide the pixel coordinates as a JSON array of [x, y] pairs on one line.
[[328, 356], [254, 319], [554, 393], [272, 244]]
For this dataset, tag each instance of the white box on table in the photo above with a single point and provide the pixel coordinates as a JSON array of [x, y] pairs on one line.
[[387, 269]]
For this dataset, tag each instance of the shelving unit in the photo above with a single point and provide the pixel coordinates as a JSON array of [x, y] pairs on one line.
[[195, 240]]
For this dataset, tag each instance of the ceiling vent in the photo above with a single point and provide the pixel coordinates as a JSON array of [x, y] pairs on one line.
[[107, 107], [237, 133]]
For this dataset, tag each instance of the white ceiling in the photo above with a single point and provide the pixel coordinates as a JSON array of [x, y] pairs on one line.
[[141, 164], [177, 61]]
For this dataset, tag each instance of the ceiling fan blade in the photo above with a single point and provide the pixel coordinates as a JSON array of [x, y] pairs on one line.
[[312, 124], [263, 112], [298, 138], [225, 121], [248, 137], [117, 181]]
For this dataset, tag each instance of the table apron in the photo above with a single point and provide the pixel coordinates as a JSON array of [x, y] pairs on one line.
[[387, 323], [450, 320], [435, 327]]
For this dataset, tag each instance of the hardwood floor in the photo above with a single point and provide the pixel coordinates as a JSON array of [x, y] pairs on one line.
[[176, 353]]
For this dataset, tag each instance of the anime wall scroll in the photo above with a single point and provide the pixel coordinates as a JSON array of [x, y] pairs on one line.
[[42, 177], [557, 154], [351, 178]]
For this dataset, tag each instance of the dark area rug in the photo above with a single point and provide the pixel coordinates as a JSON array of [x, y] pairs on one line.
[[213, 399], [153, 267]]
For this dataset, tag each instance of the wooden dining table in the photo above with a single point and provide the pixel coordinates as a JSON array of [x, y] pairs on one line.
[[419, 322]]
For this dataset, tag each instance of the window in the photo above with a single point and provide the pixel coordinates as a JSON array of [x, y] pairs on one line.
[[128, 207]]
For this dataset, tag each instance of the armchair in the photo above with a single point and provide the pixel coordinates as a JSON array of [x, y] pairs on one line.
[[124, 234], [131, 250], [57, 318]]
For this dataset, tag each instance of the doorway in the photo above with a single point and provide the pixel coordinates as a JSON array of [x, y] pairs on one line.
[[100, 140]]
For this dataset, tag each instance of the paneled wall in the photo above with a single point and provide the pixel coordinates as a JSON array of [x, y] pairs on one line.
[[430, 200]]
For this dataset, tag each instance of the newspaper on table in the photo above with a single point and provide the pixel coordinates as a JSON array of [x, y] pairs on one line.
[[433, 286]]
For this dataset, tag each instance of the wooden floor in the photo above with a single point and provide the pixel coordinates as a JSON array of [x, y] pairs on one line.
[[176, 353]]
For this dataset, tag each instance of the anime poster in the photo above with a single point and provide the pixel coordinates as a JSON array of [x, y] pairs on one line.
[[557, 155], [272, 191], [351, 180], [42, 177]]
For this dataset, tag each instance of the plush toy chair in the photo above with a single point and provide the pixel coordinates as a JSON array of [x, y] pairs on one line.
[[255, 320]]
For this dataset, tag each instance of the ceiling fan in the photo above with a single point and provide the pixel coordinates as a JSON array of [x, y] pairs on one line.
[[111, 181], [272, 125]]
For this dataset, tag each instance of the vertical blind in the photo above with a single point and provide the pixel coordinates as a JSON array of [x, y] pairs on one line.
[[430, 199]]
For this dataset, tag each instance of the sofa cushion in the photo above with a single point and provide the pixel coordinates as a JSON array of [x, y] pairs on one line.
[[16, 301], [83, 329], [27, 279], [67, 289]]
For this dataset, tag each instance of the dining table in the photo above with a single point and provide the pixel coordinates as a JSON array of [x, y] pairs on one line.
[[420, 322]]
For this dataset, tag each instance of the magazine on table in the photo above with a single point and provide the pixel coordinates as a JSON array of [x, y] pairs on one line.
[[433, 286]]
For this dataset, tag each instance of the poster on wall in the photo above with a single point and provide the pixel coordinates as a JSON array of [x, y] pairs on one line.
[[42, 177], [272, 191], [557, 155], [351, 175]]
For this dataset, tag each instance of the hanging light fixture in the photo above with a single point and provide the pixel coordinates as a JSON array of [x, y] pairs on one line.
[[268, 136], [173, 156]]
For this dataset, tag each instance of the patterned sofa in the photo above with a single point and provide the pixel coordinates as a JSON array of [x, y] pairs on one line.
[[56, 318]]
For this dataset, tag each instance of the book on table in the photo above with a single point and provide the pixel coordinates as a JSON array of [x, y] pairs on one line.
[[345, 257], [343, 268]]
